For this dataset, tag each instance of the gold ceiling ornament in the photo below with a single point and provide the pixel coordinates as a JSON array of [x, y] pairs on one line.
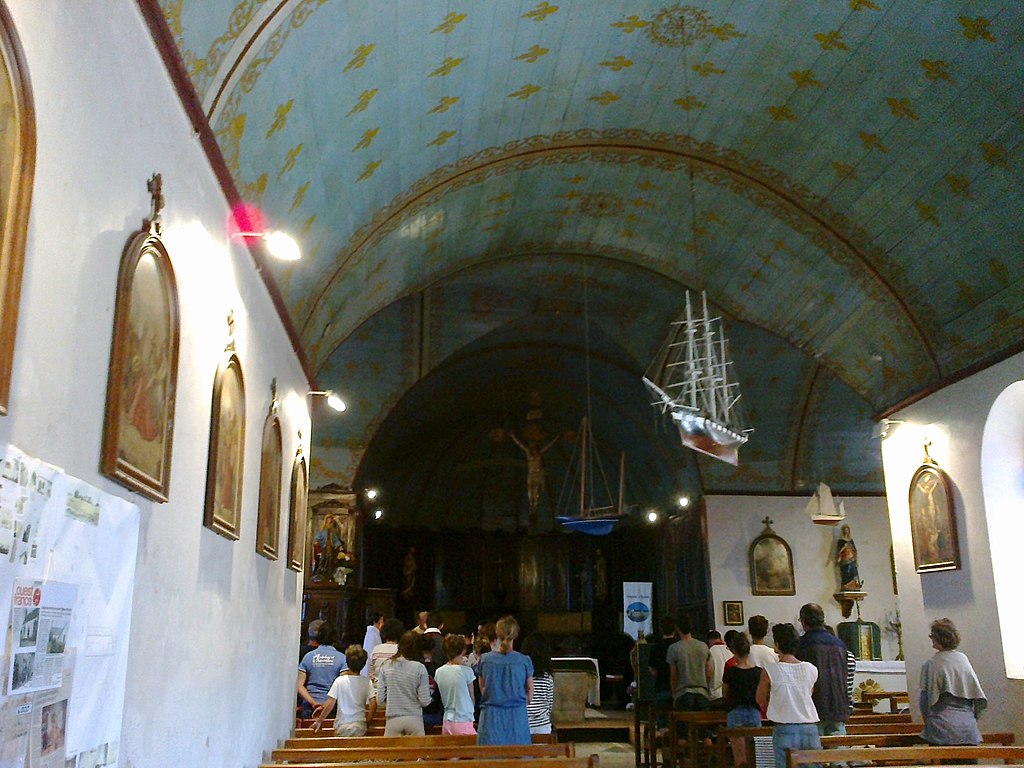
[[679, 26], [600, 205]]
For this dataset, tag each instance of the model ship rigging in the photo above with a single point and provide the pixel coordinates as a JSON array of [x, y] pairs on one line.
[[822, 507], [591, 514], [691, 380]]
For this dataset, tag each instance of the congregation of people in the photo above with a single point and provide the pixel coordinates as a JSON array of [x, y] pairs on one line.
[[802, 682], [424, 678]]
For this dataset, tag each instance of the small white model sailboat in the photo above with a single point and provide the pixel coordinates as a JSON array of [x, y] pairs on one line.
[[593, 513], [822, 507], [691, 380]]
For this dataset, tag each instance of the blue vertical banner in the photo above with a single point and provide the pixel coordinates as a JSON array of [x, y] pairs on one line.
[[636, 608]]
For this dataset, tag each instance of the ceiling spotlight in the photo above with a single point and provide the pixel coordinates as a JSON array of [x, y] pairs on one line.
[[378, 514], [684, 501], [652, 516], [279, 245], [334, 402], [881, 430], [371, 493]]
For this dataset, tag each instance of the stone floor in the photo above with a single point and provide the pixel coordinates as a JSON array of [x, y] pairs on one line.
[[612, 754]]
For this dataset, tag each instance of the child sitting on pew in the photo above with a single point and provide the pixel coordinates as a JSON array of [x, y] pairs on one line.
[[351, 692]]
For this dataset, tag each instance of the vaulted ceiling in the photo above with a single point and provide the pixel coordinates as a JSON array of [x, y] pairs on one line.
[[478, 187]]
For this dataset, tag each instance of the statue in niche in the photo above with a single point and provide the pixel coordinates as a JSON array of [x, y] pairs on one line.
[[846, 559]]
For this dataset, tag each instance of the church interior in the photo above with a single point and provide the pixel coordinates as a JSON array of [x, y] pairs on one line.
[[500, 211]]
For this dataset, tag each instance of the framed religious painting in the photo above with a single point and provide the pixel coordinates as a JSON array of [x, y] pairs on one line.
[[141, 383], [297, 512], [17, 166], [330, 544], [225, 466], [268, 512], [771, 564], [932, 519], [732, 613]]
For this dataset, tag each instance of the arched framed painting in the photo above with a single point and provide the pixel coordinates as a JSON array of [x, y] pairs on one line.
[[932, 520], [771, 564], [17, 167], [297, 512], [225, 467], [268, 513], [142, 380]]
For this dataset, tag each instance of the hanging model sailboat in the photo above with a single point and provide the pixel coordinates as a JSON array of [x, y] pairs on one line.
[[591, 514], [691, 381], [822, 507]]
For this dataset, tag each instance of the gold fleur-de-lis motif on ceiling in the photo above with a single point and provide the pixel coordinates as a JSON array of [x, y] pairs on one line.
[[307, 225], [524, 92], [689, 103], [445, 103], [280, 117], [577, 179], [707, 68], [647, 185], [804, 78], [844, 170], [860, 5], [959, 185], [359, 58], [617, 64], [726, 32], [999, 271], [362, 102], [872, 141], [534, 53], [631, 24], [831, 41], [369, 170], [782, 112], [451, 21], [606, 98], [441, 139], [901, 107], [300, 196], [572, 194], [366, 140], [500, 198], [541, 12], [976, 29], [926, 212], [600, 205], [936, 70], [449, 64], [994, 154], [289, 160]]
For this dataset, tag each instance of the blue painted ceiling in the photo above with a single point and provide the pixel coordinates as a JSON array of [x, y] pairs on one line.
[[842, 177]]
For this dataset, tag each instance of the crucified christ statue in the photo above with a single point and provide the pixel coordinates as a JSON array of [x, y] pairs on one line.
[[534, 468]]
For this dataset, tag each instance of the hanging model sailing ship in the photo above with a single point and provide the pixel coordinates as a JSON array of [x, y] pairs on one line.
[[691, 381], [594, 512], [822, 507]]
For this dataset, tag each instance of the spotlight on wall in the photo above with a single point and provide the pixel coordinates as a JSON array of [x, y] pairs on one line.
[[652, 516], [378, 514], [279, 244], [881, 430], [684, 502], [334, 402], [371, 493]]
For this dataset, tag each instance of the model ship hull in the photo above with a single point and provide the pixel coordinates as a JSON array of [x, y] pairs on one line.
[[698, 431]]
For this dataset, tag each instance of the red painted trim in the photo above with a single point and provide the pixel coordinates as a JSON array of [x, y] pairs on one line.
[[163, 38]]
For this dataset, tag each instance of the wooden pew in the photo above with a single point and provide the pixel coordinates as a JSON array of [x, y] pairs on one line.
[[403, 753], [482, 762], [695, 722], [374, 731], [721, 748], [895, 699], [328, 739], [922, 755], [1002, 738]]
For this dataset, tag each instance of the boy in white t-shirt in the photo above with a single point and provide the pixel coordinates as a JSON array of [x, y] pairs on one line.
[[351, 692]]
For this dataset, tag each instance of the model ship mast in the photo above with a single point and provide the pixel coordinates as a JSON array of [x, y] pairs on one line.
[[822, 507]]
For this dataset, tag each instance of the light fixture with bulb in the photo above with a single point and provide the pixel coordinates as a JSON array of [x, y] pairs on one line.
[[652, 516], [684, 502], [378, 514], [334, 402], [371, 493], [279, 244]]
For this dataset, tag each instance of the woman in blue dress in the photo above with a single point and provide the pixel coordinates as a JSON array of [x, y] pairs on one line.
[[506, 685]]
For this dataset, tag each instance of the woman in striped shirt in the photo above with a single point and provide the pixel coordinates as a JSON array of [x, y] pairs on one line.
[[403, 689], [538, 709]]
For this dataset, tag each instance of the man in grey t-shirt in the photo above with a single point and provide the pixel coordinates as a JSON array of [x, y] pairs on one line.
[[690, 668]]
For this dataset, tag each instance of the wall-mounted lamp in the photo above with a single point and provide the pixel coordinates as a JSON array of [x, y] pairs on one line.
[[371, 493], [652, 516], [378, 514], [279, 245], [684, 502], [881, 430], [334, 402]]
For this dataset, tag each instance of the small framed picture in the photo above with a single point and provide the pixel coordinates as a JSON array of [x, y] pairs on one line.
[[732, 612], [224, 473], [771, 564], [268, 514], [297, 512], [932, 520]]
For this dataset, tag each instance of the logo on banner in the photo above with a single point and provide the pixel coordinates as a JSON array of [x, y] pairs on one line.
[[27, 595], [638, 612]]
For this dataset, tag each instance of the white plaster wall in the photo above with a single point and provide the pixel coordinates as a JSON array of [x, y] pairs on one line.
[[735, 521], [214, 634], [954, 420]]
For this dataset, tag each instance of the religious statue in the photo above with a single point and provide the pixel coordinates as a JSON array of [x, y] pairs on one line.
[[534, 468], [408, 573], [846, 559]]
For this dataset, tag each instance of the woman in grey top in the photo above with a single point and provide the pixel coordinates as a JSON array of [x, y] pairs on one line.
[[951, 696], [403, 689]]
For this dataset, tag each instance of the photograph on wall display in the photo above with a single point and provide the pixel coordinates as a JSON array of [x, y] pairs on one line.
[[138, 428], [771, 564], [268, 514], [224, 470], [297, 512], [732, 613], [932, 519], [17, 167]]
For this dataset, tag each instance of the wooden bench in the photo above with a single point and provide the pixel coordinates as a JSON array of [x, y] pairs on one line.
[[403, 754], [439, 740], [895, 699], [481, 762], [374, 731], [747, 733], [1002, 738], [922, 755]]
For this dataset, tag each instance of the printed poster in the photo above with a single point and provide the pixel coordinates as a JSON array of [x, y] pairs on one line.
[[636, 608], [40, 620]]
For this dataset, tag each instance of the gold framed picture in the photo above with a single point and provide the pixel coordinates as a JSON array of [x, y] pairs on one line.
[[138, 428], [268, 513], [732, 613], [932, 520], [224, 472], [297, 512], [771, 564]]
